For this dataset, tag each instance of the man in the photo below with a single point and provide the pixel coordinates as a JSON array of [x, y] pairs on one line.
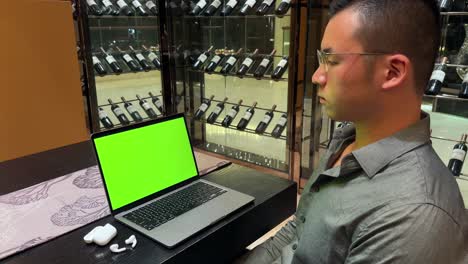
[[380, 194]]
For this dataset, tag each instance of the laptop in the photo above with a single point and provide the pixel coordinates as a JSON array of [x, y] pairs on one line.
[[152, 183]]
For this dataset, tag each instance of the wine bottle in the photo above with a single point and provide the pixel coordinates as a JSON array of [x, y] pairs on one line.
[[198, 8], [186, 6], [139, 8], [247, 64], [264, 65], [248, 5], [141, 59], [179, 98], [123, 119], [212, 8], [116, 68], [459, 5], [437, 78], [219, 55], [124, 8], [247, 117], [74, 11], [264, 7], [458, 157], [157, 103], [229, 7], [105, 120], [263, 125], [173, 4], [132, 64], [229, 64], [203, 107], [445, 5], [131, 110], [464, 88], [279, 128], [146, 107], [94, 8], [153, 58], [216, 112], [175, 8], [280, 69], [202, 58], [231, 115], [98, 67], [109, 8], [179, 55], [283, 8], [152, 7]]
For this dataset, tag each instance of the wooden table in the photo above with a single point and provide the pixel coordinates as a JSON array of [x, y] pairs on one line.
[[275, 200]]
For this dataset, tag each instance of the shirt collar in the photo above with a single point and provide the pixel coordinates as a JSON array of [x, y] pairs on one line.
[[372, 158]]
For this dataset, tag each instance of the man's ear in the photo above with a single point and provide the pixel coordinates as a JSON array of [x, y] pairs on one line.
[[397, 69]]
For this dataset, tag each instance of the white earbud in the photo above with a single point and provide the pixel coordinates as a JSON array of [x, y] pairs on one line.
[[131, 240], [115, 248]]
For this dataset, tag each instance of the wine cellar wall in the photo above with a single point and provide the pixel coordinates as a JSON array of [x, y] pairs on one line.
[[227, 63]]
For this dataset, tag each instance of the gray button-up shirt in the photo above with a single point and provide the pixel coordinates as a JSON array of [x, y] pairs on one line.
[[393, 201]]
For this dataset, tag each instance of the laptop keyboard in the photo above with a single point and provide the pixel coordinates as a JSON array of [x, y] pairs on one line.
[[161, 211]]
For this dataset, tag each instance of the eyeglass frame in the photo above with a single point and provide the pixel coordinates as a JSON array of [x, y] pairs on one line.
[[321, 56]]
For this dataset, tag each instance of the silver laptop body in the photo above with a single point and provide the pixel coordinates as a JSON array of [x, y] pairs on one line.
[[187, 224]]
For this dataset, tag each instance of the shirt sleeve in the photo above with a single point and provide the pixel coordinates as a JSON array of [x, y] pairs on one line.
[[416, 233], [270, 250]]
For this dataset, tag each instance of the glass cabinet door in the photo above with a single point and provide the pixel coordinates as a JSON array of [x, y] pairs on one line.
[[120, 40], [448, 102], [316, 126], [229, 61]]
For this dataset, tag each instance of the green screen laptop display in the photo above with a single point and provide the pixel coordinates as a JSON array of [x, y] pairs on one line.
[[139, 162]]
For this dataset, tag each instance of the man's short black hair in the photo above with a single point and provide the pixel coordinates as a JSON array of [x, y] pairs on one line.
[[409, 27]]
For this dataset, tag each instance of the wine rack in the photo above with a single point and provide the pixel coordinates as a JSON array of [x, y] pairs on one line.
[[448, 110], [243, 108], [178, 39], [248, 76], [232, 32]]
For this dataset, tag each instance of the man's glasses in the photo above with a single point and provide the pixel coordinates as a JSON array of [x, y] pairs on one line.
[[326, 59]]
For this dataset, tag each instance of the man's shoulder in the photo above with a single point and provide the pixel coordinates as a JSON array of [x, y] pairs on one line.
[[422, 177]]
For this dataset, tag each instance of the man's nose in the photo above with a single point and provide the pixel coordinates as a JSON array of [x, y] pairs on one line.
[[319, 77]]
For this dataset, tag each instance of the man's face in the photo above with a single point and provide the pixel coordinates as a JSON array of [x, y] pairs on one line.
[[347, 88]]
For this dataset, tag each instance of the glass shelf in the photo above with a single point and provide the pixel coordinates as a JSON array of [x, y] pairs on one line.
[[124, 73], [121, 17], [123, 28], [446, 96], [102, 128], [235, 17], [247, 76], [186, 17], [446, 139], [454, 65], [454, 13], [131, 100], [249, 157], [248, 106], [233, 127]]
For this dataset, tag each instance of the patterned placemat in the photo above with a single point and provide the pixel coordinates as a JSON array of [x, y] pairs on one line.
[[46, 210]]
